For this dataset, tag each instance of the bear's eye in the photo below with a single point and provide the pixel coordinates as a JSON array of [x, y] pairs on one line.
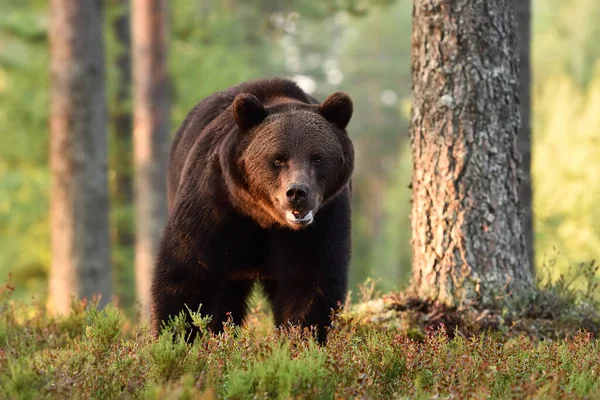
[[317, 161], [278, 162]]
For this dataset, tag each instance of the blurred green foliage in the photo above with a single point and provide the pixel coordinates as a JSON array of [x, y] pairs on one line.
[[362, 47], [566, 131], [24, 173]]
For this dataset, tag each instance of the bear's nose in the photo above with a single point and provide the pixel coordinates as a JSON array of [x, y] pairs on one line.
[[297, 193]]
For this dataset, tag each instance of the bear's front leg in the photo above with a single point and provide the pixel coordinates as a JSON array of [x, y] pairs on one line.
[[307, 303], [311, 268], [181, 280]]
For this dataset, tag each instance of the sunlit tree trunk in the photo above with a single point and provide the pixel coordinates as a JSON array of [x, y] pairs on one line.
[[151, 115], [467, 230], [122, 120], [523, 11], [78, 155]]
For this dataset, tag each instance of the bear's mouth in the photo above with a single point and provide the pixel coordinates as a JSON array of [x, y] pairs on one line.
[[299, 218]]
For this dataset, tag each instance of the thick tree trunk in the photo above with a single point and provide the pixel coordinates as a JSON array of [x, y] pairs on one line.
[[467, 232], [122, 119], [523, 11], [151, 118], [78, 155]]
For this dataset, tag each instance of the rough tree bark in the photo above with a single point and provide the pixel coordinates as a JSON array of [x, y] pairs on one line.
[[78, 155], [467, 233], [523, 11], [122, 119], [151, 118]]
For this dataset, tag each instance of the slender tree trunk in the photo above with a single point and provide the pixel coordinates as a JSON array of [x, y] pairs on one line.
[[122, 120], [151, 117], [467, 233], [523, 10], [78, 155]]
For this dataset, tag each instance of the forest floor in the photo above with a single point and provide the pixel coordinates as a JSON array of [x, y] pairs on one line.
[[389, 346]]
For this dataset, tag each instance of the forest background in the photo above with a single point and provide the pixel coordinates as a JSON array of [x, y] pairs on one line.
[[216, 44]]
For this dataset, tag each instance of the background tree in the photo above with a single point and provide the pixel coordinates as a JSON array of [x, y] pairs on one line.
[[523, 13], [119, 86], [121, 119], [151, 136], [78, 155], [467, 234]]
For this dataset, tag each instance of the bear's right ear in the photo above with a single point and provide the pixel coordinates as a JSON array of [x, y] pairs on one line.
[[248, 111]]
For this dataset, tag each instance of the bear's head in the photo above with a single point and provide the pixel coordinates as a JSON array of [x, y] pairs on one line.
[[292, 157]]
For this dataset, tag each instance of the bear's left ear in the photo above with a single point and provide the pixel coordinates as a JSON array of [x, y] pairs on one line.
[[248, 111], [337, 109]]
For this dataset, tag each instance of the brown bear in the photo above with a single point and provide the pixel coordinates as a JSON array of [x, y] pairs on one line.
[[259, 189]]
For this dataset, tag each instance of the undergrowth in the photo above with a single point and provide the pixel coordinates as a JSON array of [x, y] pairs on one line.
[[95, 353]]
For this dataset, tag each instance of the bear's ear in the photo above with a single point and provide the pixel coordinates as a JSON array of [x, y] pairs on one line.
[[337, 109], [248, 111]]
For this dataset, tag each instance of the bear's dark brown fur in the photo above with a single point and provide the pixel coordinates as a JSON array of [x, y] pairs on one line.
[[258, 189]]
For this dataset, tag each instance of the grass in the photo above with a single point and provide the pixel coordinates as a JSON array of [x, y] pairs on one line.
[[95, 353]]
